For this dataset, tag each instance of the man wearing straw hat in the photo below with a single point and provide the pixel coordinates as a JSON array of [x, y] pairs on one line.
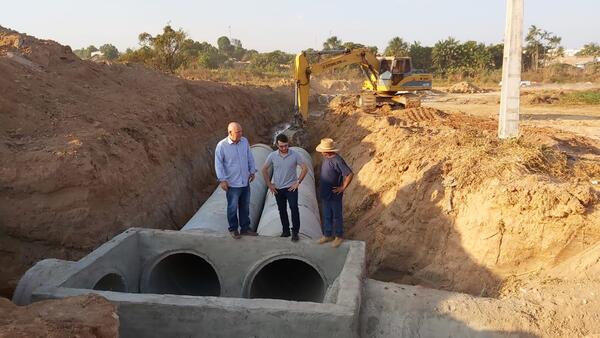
[[335, 177]]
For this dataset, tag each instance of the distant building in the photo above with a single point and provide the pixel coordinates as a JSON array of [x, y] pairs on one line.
[[577, 61], [97, 53], [571, 52]]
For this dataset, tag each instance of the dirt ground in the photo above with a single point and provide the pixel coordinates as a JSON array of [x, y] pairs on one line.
[[442, 203], [83, 316], [537, 107], [91, 149]]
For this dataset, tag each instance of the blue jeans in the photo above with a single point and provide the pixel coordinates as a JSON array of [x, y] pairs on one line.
[[332, 217], [283, 197], [238, 199]]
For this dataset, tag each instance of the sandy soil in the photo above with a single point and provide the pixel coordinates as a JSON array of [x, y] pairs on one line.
[[91, 149], [583, 120], [442, 203], [82, 316]]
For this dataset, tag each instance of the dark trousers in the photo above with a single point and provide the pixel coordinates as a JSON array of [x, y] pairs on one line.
[[283, 197], [332, 217], [238, 201]]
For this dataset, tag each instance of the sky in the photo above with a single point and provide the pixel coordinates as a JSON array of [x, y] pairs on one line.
[[292, 26]]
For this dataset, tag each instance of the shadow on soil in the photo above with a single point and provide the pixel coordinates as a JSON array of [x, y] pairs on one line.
[[410, 240]]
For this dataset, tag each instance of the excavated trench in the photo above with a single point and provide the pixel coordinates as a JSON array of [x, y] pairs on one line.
[[432, 200]]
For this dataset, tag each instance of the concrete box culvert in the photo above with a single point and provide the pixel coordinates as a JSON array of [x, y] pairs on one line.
[[286, 277], [181, 273], [111, 282], [139, 255]]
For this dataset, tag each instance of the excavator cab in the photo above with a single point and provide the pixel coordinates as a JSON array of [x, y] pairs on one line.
[[398, 68]]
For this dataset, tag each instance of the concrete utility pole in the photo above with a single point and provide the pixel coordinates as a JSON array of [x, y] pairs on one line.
[[508, 122]]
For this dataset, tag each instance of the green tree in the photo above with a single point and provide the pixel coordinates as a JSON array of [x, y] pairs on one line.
[[271, 62], [542, 47], [590, 49], [553, 49], [225, 46], [446, 56], [420, 55], [534, 45], [85, 53], [476, 57], [332, 43], [109, 51], [238, 52], [352, 45], [497, 55], [166, 48], [142, 55], [397, 47]]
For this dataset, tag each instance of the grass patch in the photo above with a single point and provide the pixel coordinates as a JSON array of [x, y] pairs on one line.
[[582, 97]]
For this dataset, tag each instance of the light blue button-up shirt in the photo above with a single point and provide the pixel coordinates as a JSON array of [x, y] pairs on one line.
[[234, 162]]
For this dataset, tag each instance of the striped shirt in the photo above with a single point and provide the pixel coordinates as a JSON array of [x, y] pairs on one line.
[[234, 162]]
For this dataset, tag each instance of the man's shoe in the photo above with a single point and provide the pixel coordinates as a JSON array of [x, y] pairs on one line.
[[235, 234], [249, 233], [325, 239], [337, 242], [295, 237], [285, 234]]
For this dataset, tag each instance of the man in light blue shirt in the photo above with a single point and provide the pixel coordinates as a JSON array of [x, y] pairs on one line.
[[235, 168], [285, 183]]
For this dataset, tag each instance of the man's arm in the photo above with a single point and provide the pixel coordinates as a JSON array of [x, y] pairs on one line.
[[220, 167], [303, 172], [251, 164], [348, 176], [267, 177]]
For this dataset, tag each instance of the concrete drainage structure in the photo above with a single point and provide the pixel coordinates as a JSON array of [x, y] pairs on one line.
[[197, 283], [201, 282]]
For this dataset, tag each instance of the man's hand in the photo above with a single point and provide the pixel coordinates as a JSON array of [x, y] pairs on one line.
[[224, 185], [294, 186], [251, 177], [272, 188], [339, 190]]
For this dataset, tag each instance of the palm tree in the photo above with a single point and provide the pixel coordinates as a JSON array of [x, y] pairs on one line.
[[397, 47]]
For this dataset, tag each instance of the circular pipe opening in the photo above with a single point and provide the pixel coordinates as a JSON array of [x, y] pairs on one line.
[[184, 274], [288, 279], [111, 282]]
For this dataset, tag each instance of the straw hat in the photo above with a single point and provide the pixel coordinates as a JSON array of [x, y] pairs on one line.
[[327, 146]]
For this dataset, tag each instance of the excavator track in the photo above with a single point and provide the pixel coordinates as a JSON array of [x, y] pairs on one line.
[[367, 102]]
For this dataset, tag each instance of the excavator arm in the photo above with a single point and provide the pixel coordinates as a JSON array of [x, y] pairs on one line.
[[303, 71]]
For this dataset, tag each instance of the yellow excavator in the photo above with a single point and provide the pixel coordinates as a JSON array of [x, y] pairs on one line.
[[390, 80]]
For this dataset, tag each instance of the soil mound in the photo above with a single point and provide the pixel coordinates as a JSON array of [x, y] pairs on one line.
[[442, 202], [331, 86], [89, 149], [465, 88], [82, 316], [542, 98]]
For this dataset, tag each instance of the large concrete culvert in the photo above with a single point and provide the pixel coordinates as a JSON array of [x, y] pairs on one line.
[[182, 273], [287, 279], [111, 282]]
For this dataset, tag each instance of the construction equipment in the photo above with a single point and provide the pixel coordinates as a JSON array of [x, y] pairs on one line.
[[390, 80]]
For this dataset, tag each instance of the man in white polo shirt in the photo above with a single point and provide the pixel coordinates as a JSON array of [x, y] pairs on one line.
[[285, 183]]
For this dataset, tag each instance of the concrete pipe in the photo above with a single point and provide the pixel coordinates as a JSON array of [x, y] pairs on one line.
[[310, 224], [212, 215]]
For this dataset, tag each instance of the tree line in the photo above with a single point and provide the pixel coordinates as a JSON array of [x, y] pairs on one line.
[[173, 50]]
